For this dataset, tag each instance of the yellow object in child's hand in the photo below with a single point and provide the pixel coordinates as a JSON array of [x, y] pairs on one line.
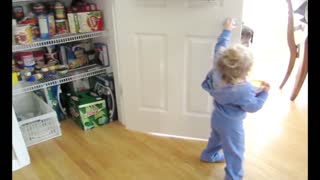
[[258, 85]]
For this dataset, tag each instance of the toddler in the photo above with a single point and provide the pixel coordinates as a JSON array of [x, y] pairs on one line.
[[233, 96]]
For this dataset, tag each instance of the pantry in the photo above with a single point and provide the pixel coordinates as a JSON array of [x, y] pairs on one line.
[[61, 70], [145, 58]]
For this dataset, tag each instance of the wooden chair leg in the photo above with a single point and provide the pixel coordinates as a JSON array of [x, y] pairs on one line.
[[291, 44], [301, 74], [289, 69]]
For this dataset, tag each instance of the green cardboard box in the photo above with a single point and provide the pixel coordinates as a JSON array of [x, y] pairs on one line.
[[88, 110]]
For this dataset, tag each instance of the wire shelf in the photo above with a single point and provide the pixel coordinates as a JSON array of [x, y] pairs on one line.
[[72, 75], [59, 39]]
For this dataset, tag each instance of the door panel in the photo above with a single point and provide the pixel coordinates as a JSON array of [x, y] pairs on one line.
[[151, 53]]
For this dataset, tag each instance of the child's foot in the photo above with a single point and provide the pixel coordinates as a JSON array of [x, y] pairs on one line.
[[217, 157]]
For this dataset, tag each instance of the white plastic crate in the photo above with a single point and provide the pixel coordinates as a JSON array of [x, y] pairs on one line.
[[39, 122]]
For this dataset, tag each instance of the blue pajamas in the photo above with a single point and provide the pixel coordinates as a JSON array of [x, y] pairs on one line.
[[228, 135], [231, 103]]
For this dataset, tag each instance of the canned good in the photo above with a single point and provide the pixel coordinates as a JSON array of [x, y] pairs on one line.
[[15, 68], [23, 34], [86, 8], [93, 6], [28, 60], [19, 62], [39, 57], [59, 11], [62, 26], [37, 69], [26, 74]]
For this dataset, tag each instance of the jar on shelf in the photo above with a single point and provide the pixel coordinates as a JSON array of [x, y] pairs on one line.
[[38, 8], [62, 26], [17, 12]]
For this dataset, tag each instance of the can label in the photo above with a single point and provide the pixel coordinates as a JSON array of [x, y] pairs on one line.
[[28, 60]]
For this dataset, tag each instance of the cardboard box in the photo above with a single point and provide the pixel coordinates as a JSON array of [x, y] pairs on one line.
[[90, 21], [73, 22], [88, 110], [102, 54]]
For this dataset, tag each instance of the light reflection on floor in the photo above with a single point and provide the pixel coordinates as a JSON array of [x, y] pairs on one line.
[[271, 53]]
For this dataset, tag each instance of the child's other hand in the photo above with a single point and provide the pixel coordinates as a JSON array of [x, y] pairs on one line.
[[228, 24], [266, 86]]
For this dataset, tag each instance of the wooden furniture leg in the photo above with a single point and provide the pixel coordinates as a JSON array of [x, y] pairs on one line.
[[291, 44], [303, 71]]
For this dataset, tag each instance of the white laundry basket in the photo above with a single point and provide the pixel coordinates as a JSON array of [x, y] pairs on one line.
[[39, 122]]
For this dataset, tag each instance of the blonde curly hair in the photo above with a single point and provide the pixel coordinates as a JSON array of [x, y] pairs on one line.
[[234, 63]]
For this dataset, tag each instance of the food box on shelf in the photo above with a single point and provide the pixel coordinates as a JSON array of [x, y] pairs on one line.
[[90, 21]]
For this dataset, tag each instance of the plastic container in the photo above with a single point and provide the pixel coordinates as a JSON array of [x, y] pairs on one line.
[[38, 121]]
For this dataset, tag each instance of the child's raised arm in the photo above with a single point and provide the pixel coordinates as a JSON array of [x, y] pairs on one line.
[[224, 38]]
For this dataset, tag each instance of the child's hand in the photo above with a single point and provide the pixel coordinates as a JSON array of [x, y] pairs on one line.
[[228, 24], [266, 86]]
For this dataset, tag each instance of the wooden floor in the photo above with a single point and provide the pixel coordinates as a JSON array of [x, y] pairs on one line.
[[276, 148]]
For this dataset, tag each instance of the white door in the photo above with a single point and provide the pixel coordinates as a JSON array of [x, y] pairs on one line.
[[164, 52]]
